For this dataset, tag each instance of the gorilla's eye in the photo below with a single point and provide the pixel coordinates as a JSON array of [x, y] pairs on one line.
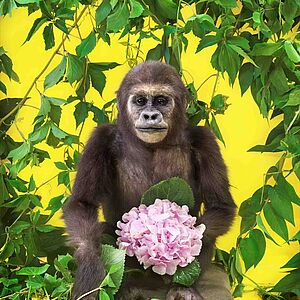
[[141, 101], [161, 100]]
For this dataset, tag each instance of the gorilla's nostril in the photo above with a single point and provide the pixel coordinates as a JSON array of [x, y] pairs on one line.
[[153, 117], [146, 117]]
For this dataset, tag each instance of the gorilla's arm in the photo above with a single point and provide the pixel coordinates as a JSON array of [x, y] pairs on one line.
[[211, 174], [91, 188]]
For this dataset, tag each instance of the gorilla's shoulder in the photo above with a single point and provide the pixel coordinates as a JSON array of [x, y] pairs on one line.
[[104, 131], [201, 137], [102, 137]]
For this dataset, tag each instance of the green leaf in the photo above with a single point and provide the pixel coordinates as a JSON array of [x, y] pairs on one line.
[[276, 222], [6, 106], [45, 228], [218, 104], [296, 237], [247, 223], [7, 250], [18, 184], [103, 295], [3, 88], [40, 134], [155, 53], [7, 67], [246, 76], [112, 256], [18, 227], [238, 291], [31, 185], [64, 178], [99, 115], [55, 114], [136, 9], [253, 248], [166, 8], [294, 262], [282, 204], [294, 97], [291, 52], [188, 275], [279, 80], [49, 36], [61, 25], [118, 19], [174, 189], [65, 13], [229, 62], [56, 203], [45, 106], [60, 165], [75, 70], [87, 45], [36, 25], [240, 42], [27, 1], [265, 49], [242, 53], [57, 132], [207, 41], [55, 101], [108, 281], [63, 260], [97, 77], [20, 152], [35, 200], [81, 112], [56, 74], [33, 271], [200, 24], [104, 66], [227, 3], [289, 283], [286, 190], [102, 11], [261, 225], [215, 128], [8, 282], [296, 167], [4, 195]]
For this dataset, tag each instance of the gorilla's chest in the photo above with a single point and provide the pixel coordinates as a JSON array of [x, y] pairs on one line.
[[135, 176]]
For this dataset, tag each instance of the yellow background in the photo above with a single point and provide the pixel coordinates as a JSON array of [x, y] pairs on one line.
[[242, 126]]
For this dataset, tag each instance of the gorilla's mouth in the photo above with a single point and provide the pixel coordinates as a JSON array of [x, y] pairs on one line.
[[151, 129]]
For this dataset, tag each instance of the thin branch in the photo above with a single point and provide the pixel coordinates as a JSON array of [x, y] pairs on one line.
[[44, 183], [20, 132], [20, 104], [293, 121], [88, 293], [22, 292], [80, 132], [212, 75], [215, 85]]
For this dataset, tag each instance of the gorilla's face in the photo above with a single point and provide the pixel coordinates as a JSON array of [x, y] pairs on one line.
[[150, 108]]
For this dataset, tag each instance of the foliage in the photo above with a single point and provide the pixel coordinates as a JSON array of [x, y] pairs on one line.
[[254, 42], [174, 189]]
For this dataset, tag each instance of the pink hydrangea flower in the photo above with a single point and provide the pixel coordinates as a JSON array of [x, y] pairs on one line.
[[161, 235]]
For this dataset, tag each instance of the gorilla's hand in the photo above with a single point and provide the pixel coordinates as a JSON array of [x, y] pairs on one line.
[[130, 293], [183, 293]]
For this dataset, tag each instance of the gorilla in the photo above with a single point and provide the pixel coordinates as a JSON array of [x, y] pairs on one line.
[[151, 141]]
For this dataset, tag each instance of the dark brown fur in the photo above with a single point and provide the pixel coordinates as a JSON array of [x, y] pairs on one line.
[[117, 168]]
